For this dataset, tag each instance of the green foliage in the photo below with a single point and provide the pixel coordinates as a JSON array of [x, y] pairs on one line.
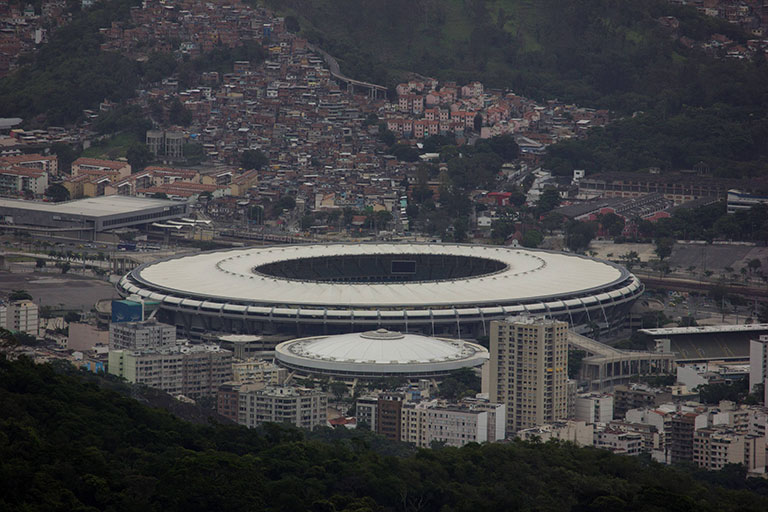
[[68, 74], [69, 442], [578, 235], [597, 53], [460, 384], [253, 159], [194, 153], [734, 391], [19, 295], [138, 156], [549, 200], [532, 238], [178, 113], [57, 192]]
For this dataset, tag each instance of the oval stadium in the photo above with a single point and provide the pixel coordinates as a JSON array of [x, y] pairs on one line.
[[428, 288]]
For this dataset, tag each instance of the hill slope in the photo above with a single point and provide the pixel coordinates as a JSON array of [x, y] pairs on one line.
[[68, 444], [599, 53]]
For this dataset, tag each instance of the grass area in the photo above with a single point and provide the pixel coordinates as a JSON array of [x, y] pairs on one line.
[[20, 259], [114, 147]]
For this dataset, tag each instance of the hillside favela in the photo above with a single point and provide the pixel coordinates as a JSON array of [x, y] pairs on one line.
[[384, 255]]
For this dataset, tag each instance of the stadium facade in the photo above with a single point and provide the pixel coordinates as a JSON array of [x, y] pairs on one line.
[[434, 289]]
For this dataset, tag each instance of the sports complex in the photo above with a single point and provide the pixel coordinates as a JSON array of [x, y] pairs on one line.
[[427, 288]]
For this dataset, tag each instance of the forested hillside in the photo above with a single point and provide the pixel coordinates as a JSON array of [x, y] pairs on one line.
[[67, 443], [601, 53]]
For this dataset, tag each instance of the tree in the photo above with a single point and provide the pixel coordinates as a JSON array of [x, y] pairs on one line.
[[504, 146], [612, 224], [159, 195], [532, 238], [253, 159], [65, 155], [405, 153], [578, 235], [71, 316], [57, 192], [39, 263], [65, 267], [754, 264], [178, 113], [138, 156], [477, 122], [549, 200], [664, 247], [19, 295], [194, 152]]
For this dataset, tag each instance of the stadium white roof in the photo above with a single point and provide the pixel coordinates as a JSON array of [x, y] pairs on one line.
[[704, 329], [380, 351], [91, 206], [527, 275]]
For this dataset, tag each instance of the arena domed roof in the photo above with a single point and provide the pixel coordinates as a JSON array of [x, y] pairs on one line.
[[379, 353]]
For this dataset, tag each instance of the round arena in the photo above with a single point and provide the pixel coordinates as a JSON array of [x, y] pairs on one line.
[[378, 354], [435, 289]]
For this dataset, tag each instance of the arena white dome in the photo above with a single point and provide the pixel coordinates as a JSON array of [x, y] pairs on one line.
[[452, 289], [377, 354]]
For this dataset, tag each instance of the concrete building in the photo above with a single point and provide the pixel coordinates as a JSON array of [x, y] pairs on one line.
[[302, 407], [455, 424], [194, 371], [619, 440], [579, 432], [529, 370], [140, 336], [739, 200], [16, 181], [86, 217], [713, 448], [365, 411], [758, 363], [22, 316], [82, 336], [606, 367], [593, 408], [258, 371]]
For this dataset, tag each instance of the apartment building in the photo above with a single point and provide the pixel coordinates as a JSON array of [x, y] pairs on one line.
[[139, 336], [302, 407], [454, 424], [529, 370], [714, 447], [20, 315], [194, 371]]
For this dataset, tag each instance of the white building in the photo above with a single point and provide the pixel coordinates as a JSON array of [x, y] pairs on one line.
[[258, 371], [713, 448], [594, 408], [529, 370], [579, 432], [302, 407], [194, 371], [149, 335], [455, 424], [619, 440], [22, 316], [758, 363]]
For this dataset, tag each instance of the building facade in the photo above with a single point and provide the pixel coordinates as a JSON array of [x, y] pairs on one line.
[[194, 371], [302, 407], [529, 370], [22, 316], [140, 336]]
